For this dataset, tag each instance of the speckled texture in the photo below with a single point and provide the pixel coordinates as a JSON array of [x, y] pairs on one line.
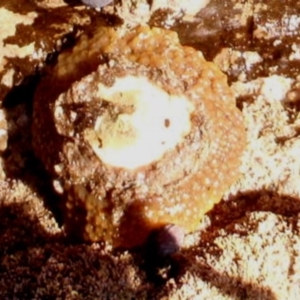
[[120, 205]]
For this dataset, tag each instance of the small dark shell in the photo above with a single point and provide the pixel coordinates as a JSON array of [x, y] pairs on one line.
[[165, 241], [96, 3]]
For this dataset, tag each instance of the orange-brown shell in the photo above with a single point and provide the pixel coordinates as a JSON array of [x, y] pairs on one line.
[[184, 202]]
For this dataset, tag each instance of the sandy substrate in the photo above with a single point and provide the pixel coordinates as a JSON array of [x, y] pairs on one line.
[[247, 247]]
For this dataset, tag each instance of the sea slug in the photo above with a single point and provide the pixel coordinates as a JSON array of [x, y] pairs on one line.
[[138, 132]]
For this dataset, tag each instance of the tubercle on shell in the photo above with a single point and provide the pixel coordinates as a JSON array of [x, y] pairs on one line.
[[117, 204]]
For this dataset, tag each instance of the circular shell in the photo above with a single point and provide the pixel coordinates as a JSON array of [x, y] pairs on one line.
[[138, 132]]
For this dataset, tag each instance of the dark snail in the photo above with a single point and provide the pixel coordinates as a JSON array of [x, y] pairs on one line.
[[96, 3]]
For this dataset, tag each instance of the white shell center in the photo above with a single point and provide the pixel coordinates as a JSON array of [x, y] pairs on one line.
[[148, 122]]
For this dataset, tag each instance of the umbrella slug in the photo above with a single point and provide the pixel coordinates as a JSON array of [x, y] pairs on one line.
[[138, 132]]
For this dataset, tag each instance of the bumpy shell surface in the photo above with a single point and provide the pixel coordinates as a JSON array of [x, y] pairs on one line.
[[115, 202]]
